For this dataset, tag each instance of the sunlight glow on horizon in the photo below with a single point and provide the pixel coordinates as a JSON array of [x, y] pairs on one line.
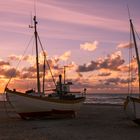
[[94, 42]]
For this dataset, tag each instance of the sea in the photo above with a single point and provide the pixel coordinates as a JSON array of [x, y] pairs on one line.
[[98, 98]]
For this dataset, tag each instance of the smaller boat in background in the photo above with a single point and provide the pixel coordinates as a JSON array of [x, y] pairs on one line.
[[132, 104]]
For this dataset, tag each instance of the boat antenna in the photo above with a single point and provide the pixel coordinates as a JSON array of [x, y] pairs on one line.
[[31, 25], [128, 12], [35, 7]]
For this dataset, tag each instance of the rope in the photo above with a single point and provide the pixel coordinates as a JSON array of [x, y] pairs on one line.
[[137, 54], [137, 33], [19, 62], [11, 79], [47, 62], [131, 75]]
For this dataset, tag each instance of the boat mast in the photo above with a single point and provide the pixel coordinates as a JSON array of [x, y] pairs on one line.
[[64, 74], [37, 63], [137, 53], [44, 67]]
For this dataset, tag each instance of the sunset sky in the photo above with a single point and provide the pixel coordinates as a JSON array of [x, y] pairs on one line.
[[91, 37]]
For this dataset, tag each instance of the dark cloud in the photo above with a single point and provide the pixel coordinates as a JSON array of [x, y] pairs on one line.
[[27, 75], [112, 81], [18, 57], [111, 62], [104, 74], [29, 69], [90, 67], [7, 71], [11, 72], [117, 81], [2, 63]]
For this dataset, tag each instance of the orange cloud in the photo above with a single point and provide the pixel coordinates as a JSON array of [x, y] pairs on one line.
[[106, 73], [65, 56]]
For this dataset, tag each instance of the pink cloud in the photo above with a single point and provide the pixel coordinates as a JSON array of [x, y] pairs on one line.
[[89, 46], [125, 45]]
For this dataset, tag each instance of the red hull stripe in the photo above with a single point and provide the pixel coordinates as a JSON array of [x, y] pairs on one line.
[[47, 113]]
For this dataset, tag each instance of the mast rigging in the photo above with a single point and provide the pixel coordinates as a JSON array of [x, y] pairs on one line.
[[137, 54]]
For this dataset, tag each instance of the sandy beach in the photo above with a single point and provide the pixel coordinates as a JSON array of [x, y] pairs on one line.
[[93, 122]]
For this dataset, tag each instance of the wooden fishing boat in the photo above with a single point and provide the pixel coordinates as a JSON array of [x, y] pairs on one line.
[[60, 102]]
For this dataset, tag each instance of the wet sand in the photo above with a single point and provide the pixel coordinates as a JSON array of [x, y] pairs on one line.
[[93, 122]]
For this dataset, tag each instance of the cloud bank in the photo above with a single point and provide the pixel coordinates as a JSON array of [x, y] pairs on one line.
[[112, 62]]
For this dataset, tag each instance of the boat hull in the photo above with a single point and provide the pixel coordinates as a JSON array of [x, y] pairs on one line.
[[132, 108], [32, 106]]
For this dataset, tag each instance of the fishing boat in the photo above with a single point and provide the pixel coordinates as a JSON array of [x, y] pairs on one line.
[[61, 101], [132, 104]]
